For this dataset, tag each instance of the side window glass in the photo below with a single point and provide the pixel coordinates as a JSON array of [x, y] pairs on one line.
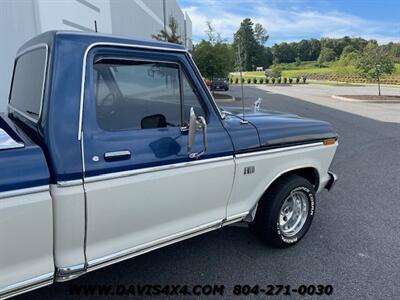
[[102, 92], [28, 82], [190, 99], [136, 94]]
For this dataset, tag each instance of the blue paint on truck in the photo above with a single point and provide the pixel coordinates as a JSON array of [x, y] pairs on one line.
[[23, 167], [55, 133]]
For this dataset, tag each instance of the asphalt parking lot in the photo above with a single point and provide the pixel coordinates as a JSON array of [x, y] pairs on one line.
[[322, 94], [352, 245]]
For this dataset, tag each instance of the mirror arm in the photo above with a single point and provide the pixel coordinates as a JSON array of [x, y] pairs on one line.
[[204, 127], [202, 124]]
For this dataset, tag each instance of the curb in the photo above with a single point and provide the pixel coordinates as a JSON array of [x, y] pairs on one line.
[[364, 101]]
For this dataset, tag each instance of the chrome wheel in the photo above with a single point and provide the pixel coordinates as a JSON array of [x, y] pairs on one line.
[[293, 214]]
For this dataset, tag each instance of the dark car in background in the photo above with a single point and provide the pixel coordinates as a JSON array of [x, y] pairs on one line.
[[220, 85]]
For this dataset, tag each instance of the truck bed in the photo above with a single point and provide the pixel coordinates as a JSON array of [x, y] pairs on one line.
[[22, 162]]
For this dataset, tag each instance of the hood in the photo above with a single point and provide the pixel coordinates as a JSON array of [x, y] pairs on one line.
[[277, 128]]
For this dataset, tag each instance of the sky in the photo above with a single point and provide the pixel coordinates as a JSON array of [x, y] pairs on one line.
[[294, 20]]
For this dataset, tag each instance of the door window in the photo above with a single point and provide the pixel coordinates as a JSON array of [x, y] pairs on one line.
[[141, 95]]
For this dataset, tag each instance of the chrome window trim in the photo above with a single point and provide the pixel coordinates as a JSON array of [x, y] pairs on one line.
[[24, 191], [180, 70], [133, 46], [19, 54], [84, 64], [117, 58], [277, 150], [26, 285], [141, 171], [153, 61]]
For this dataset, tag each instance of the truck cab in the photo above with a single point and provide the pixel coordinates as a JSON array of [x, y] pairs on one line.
[[114, 147]]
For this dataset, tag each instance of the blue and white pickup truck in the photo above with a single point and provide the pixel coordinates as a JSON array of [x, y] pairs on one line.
[[113, 147]]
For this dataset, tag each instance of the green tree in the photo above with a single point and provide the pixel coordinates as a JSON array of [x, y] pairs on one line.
[[284, 52], [347, 50], [308, 49], [336, 45], [346, 64], [349, 59], [315, 49], [260, 34], [374, 63], [277, 70], [172, 37], [303, 50], [326, 55], [213, 61], [393, 50], [214, 58], [213, 36], [245, 45], [264, 57], [359, 44]]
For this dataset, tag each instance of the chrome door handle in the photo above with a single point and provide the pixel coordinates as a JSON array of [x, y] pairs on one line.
[[117, 155]]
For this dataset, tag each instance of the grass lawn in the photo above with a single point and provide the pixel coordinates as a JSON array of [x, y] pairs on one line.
[[292, 71], [287, 73], [252, 74], [299, 72], [397, 69]]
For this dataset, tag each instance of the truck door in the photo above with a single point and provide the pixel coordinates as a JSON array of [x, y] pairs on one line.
[[142, 187]]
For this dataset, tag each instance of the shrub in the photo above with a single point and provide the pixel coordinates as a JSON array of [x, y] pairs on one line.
[[254, 80], [261, 80], [236, 80], [273, 80], [284, 80], [231, 80], [304, 79], [267, 80], [297, 79], [248, 80], [290, 80], [243, 80], [279, 79], [277, 70]]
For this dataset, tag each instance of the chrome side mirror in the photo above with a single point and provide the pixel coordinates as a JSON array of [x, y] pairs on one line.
[[194, 124]]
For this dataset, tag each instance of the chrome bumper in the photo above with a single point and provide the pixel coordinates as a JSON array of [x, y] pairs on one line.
[[332, 180]]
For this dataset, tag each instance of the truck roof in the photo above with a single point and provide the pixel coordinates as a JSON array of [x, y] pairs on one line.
[[49, 37]]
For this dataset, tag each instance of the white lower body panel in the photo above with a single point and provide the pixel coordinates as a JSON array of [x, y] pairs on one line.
[[133, 211], [269, 165], [26, 239]]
